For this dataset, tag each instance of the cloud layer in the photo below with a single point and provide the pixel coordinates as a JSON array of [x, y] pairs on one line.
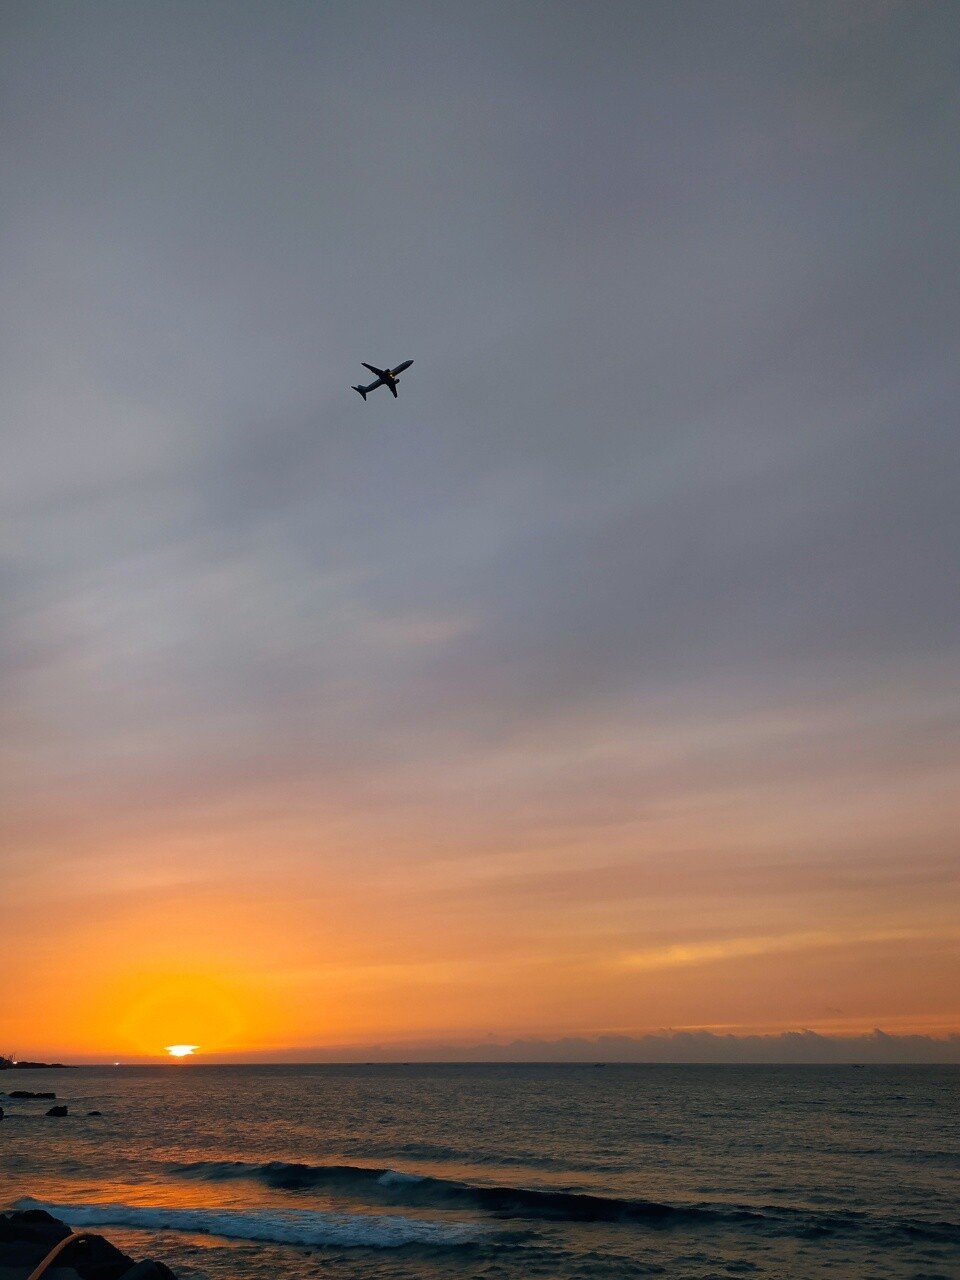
[[628, 630]]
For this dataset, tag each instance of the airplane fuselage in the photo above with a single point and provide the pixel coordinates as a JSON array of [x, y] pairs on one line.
[[385, 378]]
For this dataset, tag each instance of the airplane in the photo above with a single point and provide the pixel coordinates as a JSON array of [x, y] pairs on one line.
[[385, 377]]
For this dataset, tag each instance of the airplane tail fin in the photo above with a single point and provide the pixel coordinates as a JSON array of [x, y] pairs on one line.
[[362, 390]]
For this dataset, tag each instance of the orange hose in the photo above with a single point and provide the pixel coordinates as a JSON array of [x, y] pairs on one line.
[[57, 1249]]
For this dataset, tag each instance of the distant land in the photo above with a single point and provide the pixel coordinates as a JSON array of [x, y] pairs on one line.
[[11, 1064]]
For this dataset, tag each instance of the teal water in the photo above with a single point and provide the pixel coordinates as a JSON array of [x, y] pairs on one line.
[[502, 1171]]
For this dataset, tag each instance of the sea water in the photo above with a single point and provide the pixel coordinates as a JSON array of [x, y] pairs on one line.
[[501, 1171]]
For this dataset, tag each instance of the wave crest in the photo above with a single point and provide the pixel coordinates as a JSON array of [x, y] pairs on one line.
[[420, 1190], [286, 1226], [411, 1190]]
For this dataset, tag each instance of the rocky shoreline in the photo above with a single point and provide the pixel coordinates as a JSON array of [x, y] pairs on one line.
[[28, 1235], [12, 1064], [28, 1095]]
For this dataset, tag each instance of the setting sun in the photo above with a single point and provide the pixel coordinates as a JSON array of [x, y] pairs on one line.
[[181, 1050]]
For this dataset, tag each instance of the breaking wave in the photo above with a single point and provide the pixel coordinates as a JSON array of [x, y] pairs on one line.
[[391, 1186], [422, 1191], [287, 1226]]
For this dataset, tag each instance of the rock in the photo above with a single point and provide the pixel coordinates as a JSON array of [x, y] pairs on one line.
[[97, 1259], [57, 1111], [1, 1113], [94, 1113], [33, 1066], [27, 1236], [26, 1093], [34, 1226], [149, 1269], [19, 1257]]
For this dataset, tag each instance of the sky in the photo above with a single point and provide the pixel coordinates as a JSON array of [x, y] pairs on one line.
[[603, 685]]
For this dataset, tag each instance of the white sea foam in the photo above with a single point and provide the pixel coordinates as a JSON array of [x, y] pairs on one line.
[[394, 1177], [291, 1226]]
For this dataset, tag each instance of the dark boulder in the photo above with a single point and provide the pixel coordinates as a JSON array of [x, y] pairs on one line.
[[28, 1235], [94, 1113], [21, 1256], [27, 1093], [149, 1269], [97, 1259], [35, 1226], [57, 1111]]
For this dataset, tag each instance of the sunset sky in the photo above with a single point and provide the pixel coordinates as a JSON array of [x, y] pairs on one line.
[[606, 683]]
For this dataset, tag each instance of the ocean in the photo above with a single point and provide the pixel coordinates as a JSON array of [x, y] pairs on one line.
[[568, 1172]]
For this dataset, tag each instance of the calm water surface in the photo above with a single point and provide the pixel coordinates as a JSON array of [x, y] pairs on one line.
[[502, 1171]]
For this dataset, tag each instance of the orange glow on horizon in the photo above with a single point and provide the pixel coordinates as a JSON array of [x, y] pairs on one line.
[[601, 688], [255, 940]]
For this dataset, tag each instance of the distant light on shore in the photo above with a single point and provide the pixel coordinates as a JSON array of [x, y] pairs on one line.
[[181, 1050]]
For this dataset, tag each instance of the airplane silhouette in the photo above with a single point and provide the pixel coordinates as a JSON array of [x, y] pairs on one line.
[[385, 377]]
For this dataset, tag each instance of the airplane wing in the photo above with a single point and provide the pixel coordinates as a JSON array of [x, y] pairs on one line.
[[381, 373], [393, 388]]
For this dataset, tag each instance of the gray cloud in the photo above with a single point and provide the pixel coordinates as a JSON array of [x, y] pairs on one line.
[[679, 431], [801, 1046]]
